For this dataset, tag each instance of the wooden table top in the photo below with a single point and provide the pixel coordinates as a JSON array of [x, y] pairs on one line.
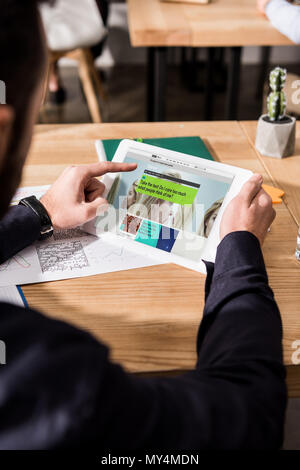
[[149, 317], [219, 23]]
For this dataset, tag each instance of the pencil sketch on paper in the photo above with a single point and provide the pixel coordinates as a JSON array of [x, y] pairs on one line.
[[19, 260], [68, 254]]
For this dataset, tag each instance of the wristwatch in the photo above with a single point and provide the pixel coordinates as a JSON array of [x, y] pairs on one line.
[[40, 211]]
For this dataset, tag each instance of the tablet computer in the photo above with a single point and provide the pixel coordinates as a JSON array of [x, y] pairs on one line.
[[170, 207]]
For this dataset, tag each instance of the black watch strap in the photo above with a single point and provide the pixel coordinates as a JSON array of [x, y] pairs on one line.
[[40, 211]]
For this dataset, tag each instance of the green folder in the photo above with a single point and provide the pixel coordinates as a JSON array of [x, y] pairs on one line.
[[190, 145]]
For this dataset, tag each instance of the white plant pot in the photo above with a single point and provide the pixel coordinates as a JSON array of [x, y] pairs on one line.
[[276, 139]]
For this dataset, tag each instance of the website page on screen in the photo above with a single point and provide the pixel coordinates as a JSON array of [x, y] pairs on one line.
[[169, 204]]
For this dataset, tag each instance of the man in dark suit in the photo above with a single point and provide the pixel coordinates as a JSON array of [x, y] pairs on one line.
[[59, 387]]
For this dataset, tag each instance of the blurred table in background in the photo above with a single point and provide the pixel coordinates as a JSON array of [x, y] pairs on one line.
[[159, 25], [149, 317]]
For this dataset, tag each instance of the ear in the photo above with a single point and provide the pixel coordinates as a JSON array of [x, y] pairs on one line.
[[6, 121]]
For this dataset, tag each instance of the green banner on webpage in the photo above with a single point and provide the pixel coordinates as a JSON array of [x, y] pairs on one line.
[[166, 190]]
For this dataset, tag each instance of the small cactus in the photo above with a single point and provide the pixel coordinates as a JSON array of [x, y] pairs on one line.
[[276, 103]]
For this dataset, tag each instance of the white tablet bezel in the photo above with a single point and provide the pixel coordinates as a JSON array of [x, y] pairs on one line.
[[209, 252]]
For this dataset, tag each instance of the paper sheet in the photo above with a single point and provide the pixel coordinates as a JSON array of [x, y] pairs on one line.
[[68, 254], [11, 295]]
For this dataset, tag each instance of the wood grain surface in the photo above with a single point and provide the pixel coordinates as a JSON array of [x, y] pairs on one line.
[[285, 172], [149, 317], [219, 23]]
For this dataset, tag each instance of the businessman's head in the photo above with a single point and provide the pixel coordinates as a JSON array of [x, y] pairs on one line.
[[23, 61]]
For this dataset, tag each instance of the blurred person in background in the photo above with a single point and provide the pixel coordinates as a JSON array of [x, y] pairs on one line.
[[284, 16]]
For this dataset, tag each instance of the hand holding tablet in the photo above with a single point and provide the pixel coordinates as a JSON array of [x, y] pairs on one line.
[[170, 206], [250, 210]]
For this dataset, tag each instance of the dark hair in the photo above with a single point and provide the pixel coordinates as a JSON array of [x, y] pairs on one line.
[[22, 60], [21, 48]]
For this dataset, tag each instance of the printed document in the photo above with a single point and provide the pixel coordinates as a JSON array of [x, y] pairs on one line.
[[67, 254]]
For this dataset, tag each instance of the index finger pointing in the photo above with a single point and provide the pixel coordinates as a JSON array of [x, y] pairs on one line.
[[101, 168]]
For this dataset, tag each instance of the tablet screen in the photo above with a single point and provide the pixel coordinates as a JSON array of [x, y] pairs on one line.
[[168, 204]]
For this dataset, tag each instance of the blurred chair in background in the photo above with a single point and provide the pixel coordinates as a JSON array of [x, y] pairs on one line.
[[72, 28]]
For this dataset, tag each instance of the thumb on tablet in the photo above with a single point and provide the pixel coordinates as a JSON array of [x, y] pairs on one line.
[[251, 188]]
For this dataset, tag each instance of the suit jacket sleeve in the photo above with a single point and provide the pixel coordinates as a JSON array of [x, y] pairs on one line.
[[19, 228], [59, 387]]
